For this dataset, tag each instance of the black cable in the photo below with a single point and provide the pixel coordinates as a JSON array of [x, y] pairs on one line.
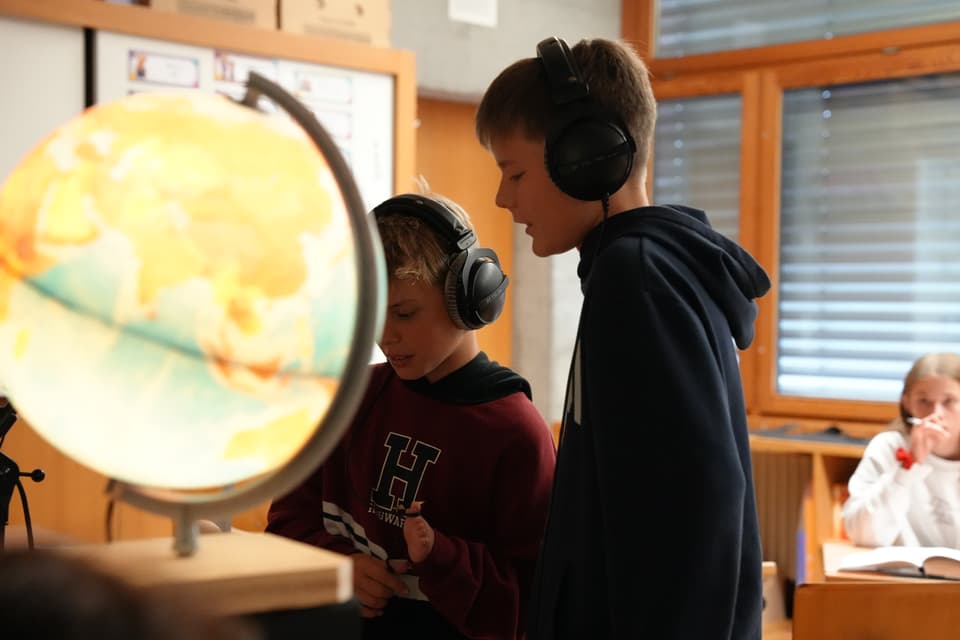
[[26, 514], [605, 203], [108, 522]]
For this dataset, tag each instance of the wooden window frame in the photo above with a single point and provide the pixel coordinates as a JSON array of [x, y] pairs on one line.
[[747, 86], [761, 75]]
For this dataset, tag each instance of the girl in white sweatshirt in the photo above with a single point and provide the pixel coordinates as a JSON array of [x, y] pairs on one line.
[[906, 489]]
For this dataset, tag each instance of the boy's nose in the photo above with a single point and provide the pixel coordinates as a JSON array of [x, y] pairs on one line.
[[389, 336], [501, 199]]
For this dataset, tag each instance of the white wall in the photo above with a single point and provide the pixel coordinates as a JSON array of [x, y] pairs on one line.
[[40, 91], [457, 60]]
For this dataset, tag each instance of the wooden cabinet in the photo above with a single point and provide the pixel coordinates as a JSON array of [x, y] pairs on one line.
[[795, 482], [796, 476]]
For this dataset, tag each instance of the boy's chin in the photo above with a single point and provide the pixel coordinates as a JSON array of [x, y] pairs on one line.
[[545, 251], [407, 373], [541, 252]]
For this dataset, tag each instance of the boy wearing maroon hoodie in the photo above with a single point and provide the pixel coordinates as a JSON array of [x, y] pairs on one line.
[[439, 491]]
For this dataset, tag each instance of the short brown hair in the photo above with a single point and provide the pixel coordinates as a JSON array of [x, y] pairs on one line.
[[412, 249], [518, 100], [931, 364]]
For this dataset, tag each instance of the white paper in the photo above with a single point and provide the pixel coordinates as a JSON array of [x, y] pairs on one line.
[[482, 13], [356, 107]]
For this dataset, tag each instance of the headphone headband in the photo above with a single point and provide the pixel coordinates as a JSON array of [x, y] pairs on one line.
[[458, 236], [563, 75]]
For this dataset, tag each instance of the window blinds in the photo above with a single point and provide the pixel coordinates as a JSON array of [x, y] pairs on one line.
[[686, 27], [697, 157], [869, 275]]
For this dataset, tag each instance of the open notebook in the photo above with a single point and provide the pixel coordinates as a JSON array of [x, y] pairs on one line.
[[926, 562]]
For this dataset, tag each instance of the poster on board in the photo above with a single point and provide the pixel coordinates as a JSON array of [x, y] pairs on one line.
[[355, 107]]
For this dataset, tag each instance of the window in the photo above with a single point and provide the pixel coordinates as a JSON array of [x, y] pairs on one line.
[[848, 174], [697, 158], [869, 274], [686, 27]]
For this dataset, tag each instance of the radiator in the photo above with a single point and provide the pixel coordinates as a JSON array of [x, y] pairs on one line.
[[780, 480]]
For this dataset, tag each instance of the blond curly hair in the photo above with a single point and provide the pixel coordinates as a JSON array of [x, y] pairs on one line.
[[412, 249]]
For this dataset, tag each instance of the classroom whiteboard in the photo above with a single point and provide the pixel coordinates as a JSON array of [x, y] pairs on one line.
[[355, 107], [41, 80]]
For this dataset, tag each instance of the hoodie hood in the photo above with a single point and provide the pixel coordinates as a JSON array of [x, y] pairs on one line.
[[730, 275]]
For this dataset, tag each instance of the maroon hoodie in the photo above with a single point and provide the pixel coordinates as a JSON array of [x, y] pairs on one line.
[[471, 447]]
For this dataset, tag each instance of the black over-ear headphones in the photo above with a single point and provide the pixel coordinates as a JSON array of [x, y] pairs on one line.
[[588, 151], [476, 286]]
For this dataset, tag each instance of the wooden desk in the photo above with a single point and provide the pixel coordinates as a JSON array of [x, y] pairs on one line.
[[835, 551], [876, 611], [16, 538], [781, 630], [775, 444]]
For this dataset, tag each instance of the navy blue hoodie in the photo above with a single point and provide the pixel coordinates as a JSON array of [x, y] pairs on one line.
[[653, 528]]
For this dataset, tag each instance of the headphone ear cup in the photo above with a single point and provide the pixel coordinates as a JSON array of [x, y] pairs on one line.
[[475, 289], [588, 156], [488, 289]]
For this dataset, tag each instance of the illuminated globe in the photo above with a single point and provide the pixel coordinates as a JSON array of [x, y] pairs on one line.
[[178, 290]]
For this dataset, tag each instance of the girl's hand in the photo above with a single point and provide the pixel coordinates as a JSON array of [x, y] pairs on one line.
[[418, 533], [925, 435]]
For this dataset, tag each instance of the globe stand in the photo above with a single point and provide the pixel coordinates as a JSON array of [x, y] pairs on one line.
[[186, 533]]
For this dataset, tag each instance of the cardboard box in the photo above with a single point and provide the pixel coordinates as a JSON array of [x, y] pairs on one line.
[[254, 13], [363, 21]]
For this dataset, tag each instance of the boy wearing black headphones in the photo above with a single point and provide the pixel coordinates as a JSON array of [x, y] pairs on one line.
[[654, 428], [439, 490]]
